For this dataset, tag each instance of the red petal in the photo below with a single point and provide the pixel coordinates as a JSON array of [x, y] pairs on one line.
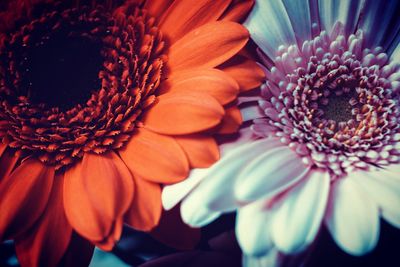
[[207, 46], [97, 191], [115, 234], [202, 151], [183, 16], [213, 82], [46, 242], [155, 157], [245, 71], [7, 163], [179, 113], [23, 197], [238, 10], [146, 208]]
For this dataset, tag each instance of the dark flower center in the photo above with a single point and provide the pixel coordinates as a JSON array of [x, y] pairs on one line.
[[63, 71], [338, 108]]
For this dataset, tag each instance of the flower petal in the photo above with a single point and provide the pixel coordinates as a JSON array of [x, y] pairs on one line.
[[245, 71], [47, 241], [379, 22], [7, 163], [156, 8], [298, 219], [97, 191], [145, 211], [300, 18], [183, 16], [213, 82], [183, 113], [109, 241], [201, 151], [253, 226], [208, 45], [270, 27], [347, 12], [196, 214], [168, 161], [173, 194], [238, 10], [231, 121], [24, 196], [270, 173], [352, 217], [384, 187], [252, 112], [216, 189]]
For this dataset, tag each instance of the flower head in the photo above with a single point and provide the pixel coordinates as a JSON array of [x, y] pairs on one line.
[[102, 102], [324, 139]]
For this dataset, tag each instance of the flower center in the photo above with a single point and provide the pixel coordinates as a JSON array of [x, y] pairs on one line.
[[62, 71], [334, 102], [76, 79]]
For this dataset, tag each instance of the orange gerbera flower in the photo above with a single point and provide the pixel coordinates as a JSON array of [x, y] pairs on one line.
[[103, 103]]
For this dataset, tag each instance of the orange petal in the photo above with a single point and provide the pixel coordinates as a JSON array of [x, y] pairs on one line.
[[208, 46], [7, 163], [157, 8], [173, 232], [145, 211], [183, 16], [78, 254], [202, 151], [23, 197], [213, 82], [245, 71], [238, 10], [97, 190], [183, 113], [155, 157], [231, 121], [46, 242], [115, 234]]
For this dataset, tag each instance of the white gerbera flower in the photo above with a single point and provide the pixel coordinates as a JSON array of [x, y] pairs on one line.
[[324, 144]]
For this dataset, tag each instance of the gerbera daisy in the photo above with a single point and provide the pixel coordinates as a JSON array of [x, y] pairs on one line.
[[323, 144], [102, 102]]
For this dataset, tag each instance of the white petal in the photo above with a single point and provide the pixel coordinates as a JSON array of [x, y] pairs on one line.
[[395, 56], [352, 217], [380, 23], [270, 27], [252, 112], [271, 259], [384, 187], [300, 18], [347, 12], [196, 214], [173, 194], [269, 174], [297, 221], [216, 190], [392, 218], [253, 228]]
